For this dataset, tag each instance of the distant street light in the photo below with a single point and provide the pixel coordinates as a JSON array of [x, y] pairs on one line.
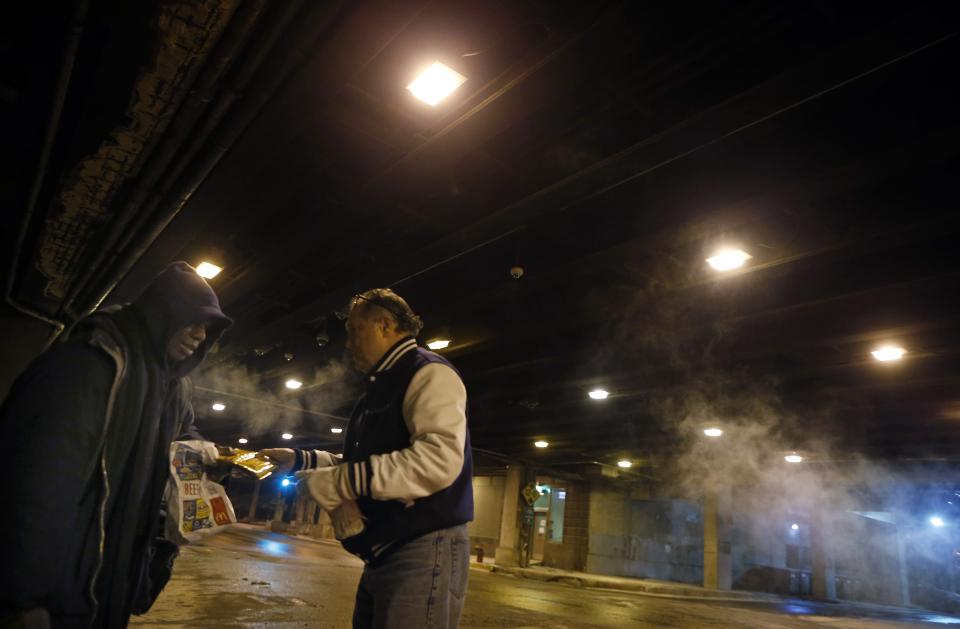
[[728, 259], [888, 353]]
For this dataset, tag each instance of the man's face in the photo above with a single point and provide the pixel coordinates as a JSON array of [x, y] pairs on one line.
[[185, 342], [363, 340]]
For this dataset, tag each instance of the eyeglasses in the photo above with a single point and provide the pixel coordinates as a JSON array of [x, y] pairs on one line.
[[401, 316]]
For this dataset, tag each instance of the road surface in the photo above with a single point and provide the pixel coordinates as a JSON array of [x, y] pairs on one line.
[[249, 577]]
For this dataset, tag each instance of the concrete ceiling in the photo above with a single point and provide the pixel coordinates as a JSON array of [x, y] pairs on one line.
[[607, 148]]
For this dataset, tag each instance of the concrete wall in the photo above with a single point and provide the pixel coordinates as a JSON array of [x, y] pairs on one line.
[[571, 554], [484, 530], [654, 539], [22, 341], [667, 541], [610, 522]]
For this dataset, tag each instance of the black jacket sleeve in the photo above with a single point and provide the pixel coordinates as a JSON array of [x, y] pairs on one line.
[[184, 410], [51, 426]]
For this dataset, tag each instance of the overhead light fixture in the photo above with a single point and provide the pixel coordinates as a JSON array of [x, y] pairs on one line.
[[599, 394], [242, 440], [439, 344], [937, 521], [287, 435], [793, 458], [208, 270], [625, 464], [794, 527], [293, 384], [728, 259], [713, 432], [888, 352], [218, 406], [436, 83], [541, 444], [336, 431]]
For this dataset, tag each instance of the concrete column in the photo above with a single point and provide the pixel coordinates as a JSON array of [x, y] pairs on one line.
[[904, 570], [711, 543], [823, 577], [507, 545], [717, 564], [277, 525], [252, 513]]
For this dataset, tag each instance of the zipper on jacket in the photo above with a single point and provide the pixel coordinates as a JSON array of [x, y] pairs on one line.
[[117, 356]]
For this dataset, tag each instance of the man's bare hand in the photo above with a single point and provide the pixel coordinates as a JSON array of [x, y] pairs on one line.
[[283, 457]]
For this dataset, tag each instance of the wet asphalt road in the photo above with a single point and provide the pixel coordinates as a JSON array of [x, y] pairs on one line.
[[248, 577]]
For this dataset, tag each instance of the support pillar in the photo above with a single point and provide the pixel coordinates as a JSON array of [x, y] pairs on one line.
[[252, 513], [717, 567], [903, 567], [823, 577], [507, 546], [278, 524]]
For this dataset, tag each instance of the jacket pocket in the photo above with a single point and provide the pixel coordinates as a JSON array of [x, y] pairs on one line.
[[156, 572]]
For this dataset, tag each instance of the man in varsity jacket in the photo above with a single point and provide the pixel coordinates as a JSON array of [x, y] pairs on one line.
[[407, 464]]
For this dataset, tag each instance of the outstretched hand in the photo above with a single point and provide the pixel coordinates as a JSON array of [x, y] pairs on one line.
[[283, 457]]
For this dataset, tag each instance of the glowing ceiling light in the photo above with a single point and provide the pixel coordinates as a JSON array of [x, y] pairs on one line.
[[208, 270], [293, 384], [599, 394], [242, 440], [728, 259], [625, 463], [712, 432], [287, 435], [888, 353], [793, 458], [541, 444], [439, 344], [436, 83], [218, 406], [336, 431], [937, 521], [795, 527]]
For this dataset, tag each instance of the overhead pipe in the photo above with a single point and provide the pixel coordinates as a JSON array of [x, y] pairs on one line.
[[531, 464], [74, 31], [183, 121], [287, 407], [150, 226]]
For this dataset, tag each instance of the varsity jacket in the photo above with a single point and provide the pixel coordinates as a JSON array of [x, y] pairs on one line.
[[408, 451]]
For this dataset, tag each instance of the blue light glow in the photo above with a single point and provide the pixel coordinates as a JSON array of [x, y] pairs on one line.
[[273, 548], [285, 482]]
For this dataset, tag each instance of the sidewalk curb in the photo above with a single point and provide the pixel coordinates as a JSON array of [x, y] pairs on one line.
[[638, 585]]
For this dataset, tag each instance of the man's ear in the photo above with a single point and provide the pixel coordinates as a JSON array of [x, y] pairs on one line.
[[384, 324]]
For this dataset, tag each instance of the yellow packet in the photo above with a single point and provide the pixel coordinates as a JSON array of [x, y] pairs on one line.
[[249, 461]]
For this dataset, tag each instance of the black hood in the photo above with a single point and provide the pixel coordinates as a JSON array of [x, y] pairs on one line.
[[176, 298]]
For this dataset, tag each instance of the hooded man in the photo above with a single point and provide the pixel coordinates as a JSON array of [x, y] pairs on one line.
[[87, 430]]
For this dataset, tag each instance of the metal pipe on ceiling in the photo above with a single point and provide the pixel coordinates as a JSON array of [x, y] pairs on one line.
[[75, 32], [192, 106], [287, 407], [179, 189], [531, 464], [147, 222]]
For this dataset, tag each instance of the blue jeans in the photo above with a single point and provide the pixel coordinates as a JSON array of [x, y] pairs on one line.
[[421, 584]]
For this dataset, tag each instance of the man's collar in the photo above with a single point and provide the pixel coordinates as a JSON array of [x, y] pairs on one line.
[[392, 355]]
